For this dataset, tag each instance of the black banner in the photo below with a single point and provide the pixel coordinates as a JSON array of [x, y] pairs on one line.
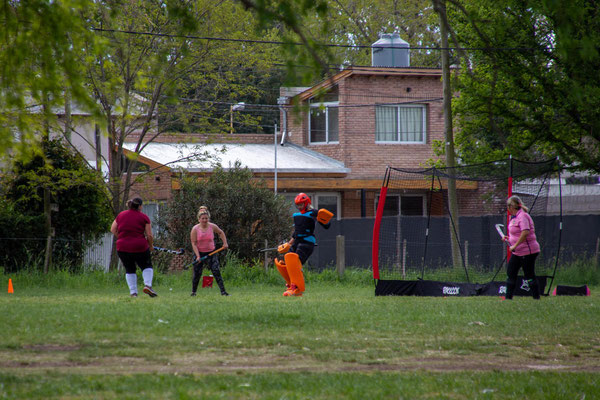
[[452, 289]]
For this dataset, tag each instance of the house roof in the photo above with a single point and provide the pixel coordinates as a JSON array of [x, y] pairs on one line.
[[259, 158], [383, 71]]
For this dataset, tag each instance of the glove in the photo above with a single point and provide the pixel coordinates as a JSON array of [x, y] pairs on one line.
[[324, 216], [283, 248]]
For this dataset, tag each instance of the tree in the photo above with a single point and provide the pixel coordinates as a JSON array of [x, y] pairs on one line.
[[41, 41], [156, 75], [532, 90], [82, 212], [247, 211]]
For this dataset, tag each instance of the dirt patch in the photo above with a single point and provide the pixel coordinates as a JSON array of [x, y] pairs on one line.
[[51, 347], [218, 363]]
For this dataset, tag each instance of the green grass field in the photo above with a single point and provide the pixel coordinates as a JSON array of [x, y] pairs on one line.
[[81, 337]]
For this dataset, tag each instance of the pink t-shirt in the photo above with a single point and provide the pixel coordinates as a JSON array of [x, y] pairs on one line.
[[520, 222], [205, 240], [131, 228]]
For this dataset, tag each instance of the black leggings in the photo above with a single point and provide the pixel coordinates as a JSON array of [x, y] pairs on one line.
[[512, 270], [129, 260], [213, 264]]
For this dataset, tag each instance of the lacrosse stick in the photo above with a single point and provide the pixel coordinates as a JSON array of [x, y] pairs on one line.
[[267, 249], [178, 252], [204, 257], [500, 230], [273, 248]]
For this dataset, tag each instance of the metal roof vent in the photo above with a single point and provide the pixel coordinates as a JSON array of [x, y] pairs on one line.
[[390, 51]]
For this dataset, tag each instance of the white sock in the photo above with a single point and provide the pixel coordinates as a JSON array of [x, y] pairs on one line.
[[131, 282], [148, 273]]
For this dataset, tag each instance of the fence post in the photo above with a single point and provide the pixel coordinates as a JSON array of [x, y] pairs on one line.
[[266, 257], [598, 252], [466, 253], [404, 259], [340, 250]]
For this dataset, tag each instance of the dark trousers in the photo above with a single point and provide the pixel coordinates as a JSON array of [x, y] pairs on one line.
[[512, 270], [303, 249], [213, 264]]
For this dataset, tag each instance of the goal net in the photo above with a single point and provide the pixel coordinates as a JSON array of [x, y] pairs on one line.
[[421, 232]]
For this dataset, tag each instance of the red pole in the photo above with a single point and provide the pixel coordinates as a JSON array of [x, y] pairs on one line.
[[376, 226]]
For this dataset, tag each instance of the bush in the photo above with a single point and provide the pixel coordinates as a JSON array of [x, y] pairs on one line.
[[83, 209], [246, 210]]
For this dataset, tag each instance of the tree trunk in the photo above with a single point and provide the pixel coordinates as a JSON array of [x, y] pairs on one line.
[[48, 217]]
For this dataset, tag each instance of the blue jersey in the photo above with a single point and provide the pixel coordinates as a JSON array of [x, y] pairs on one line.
[[304, 226]]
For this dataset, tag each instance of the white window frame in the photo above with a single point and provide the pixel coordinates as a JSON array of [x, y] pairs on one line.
[[398, 107], [327, 105], [314, 198]]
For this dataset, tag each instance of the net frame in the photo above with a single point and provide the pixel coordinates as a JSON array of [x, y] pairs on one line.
[[510, 175]]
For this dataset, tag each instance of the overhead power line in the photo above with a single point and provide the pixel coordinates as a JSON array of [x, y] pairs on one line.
[[276, 42]]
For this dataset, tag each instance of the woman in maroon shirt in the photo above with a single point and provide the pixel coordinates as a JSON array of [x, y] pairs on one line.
[[134, 240]]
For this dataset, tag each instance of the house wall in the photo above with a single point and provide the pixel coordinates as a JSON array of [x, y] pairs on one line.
[[153, 187], [358, 95], [357, 148]]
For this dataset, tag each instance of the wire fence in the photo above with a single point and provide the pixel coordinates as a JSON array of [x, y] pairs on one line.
[[580, 241]]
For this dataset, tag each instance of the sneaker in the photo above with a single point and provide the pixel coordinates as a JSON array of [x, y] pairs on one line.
[[193, 294], [292, 291], [133, 295], [148, 290], [224, 293], [288, 291]]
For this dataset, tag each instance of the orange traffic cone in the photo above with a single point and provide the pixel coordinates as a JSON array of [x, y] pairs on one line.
[[10, 287]]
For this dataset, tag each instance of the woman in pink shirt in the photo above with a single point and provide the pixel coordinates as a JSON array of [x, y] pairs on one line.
[[523, 246], [202, 237]]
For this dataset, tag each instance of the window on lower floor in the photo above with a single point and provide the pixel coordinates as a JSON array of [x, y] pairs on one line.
[[152, 210], [329, 201], [402, 205]]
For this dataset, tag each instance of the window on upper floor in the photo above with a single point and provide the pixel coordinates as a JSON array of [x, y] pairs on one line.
[[400, 124], [323, 123]]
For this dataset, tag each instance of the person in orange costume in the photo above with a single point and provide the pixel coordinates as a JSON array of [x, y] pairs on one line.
[[301, 245]]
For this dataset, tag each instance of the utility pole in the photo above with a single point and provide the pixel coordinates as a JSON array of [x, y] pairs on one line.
[[440, 8]]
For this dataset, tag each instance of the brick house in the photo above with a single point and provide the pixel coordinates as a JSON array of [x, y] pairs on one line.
[[368, 118], [336, 149]]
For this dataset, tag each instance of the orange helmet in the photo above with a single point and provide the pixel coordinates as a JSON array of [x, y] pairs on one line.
[[303, 200]]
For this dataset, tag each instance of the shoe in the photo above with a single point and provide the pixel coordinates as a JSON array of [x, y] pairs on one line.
[[133, 295], [293, 291], [193, 294], [148, 290], [224, 293]]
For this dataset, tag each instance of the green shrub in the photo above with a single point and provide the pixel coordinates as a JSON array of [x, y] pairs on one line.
[[244, 208]]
